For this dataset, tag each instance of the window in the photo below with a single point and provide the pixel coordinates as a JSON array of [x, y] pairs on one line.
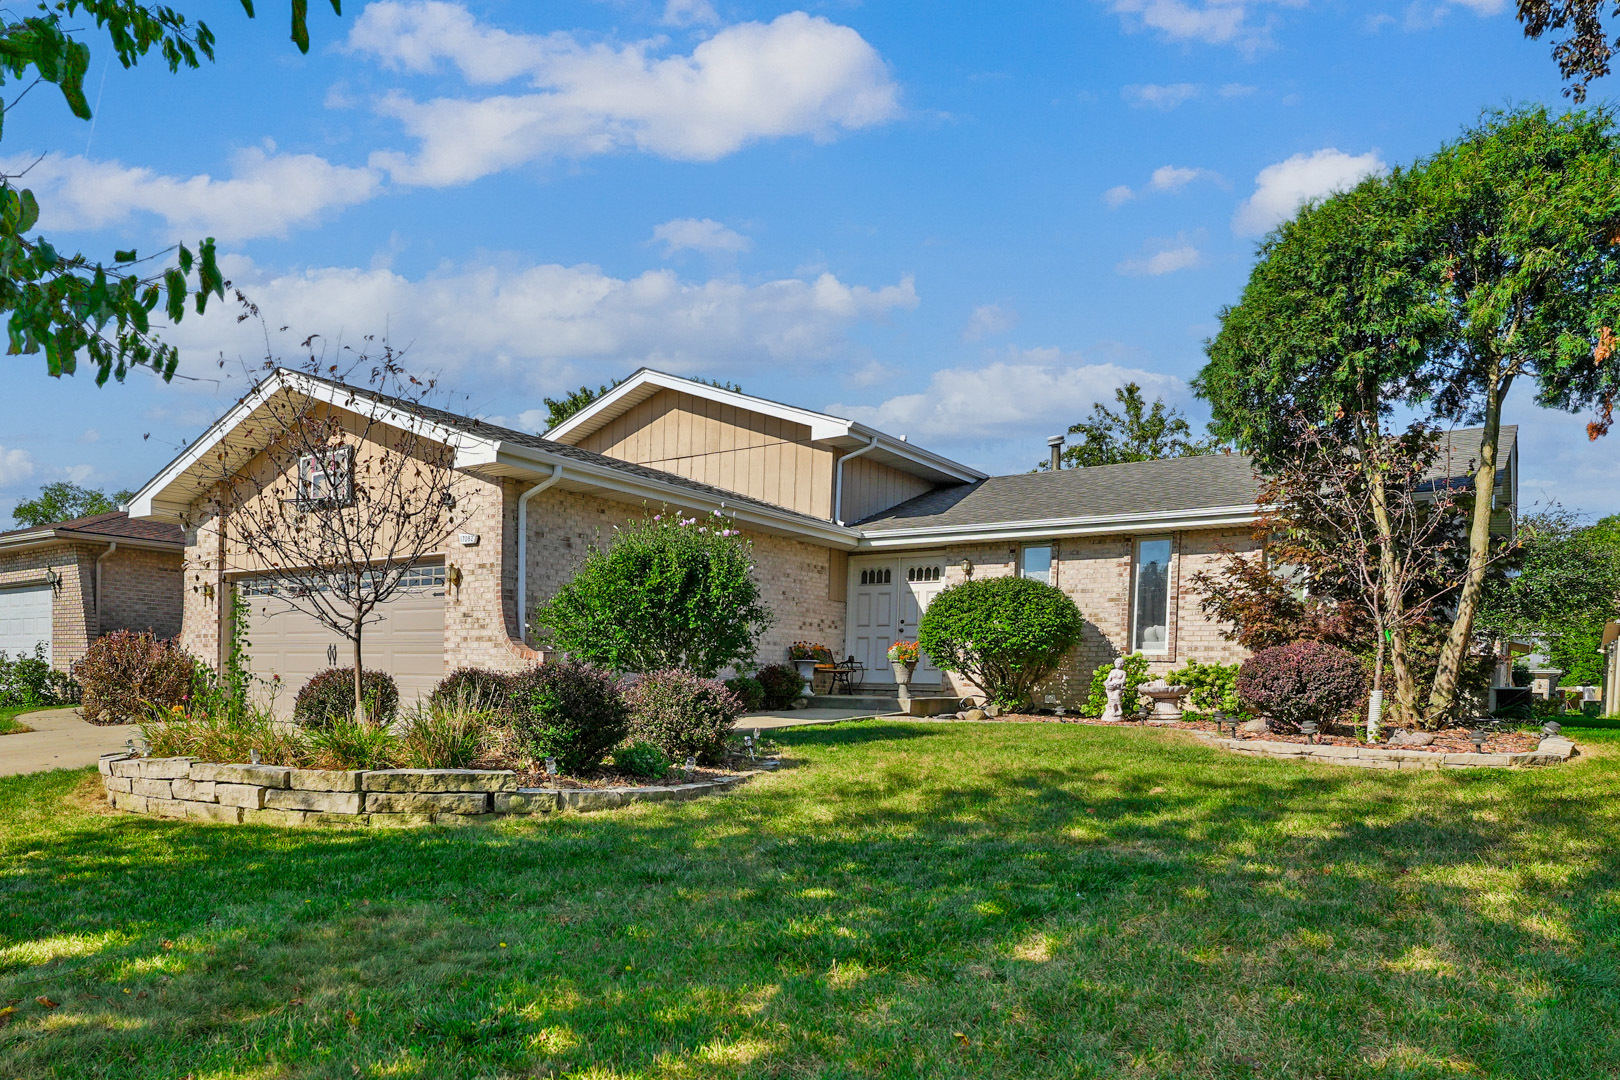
[[924, 573], [1152, 608], [880, 576], [327, 479], [1035, 563]]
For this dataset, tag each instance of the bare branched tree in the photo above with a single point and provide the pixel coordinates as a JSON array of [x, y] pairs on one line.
[[352, 487]]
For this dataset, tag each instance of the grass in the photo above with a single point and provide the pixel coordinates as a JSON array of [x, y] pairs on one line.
[[908, 900], [9, 724]]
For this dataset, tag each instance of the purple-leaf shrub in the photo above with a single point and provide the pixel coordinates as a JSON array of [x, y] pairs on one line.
[[1308, 680], [683, 714]]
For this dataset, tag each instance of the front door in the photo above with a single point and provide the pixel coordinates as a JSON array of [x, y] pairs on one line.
[[924, 580], [887, 598]]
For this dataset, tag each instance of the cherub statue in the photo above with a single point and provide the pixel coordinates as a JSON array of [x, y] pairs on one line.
[[1114, 687]]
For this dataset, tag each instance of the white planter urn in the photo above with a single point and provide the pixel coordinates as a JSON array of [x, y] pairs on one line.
[[807, 672], [903, 671]]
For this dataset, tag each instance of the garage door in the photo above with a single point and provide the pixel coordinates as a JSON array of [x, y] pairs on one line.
[[25, 620], [405, 638]]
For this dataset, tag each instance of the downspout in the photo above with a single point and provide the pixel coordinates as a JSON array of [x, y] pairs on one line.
[[838, 489], [523, 550], [112, 546]]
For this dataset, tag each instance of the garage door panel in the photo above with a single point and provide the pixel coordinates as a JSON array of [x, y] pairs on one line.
[[25, 620], [404, 637]]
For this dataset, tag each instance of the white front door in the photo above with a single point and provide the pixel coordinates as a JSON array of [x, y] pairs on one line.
[[924, 579], [25, 620], [872, 613]]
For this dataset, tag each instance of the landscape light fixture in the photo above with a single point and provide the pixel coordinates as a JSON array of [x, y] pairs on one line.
[[551, 766], [1550, 729], [1308, 729], [691, 766], [1477, 737]]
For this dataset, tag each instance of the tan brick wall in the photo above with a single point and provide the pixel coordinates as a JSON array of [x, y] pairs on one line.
[[141, 591], [72, 604], [202, 593], [1096, 572]]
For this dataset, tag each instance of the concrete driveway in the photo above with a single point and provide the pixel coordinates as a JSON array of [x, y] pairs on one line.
[[60, 740]]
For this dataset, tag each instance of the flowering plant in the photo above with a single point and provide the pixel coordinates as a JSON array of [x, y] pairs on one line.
[[807, 650], [903, 652]]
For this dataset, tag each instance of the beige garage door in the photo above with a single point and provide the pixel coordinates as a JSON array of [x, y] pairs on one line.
[[405, 638]]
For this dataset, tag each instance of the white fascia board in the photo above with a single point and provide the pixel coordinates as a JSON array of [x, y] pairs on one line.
[[926, 458], [142, 505], [1204, 518], [610, 479], [821, 425]]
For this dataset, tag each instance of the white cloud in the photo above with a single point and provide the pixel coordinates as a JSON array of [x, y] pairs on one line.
[[534, 323], [799, 75], [266, 194], [1166, 178], [988, 319], [1283, 188], [1246, 24], [689, 13], [16, 466], [1162, 96], [1118, 196], [1166, 260], [694, 234], [1024, 397]]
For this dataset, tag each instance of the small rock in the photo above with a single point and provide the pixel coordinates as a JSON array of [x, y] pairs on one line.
[[1412, 738], [946, 716], [975, 714], [1256, 727]]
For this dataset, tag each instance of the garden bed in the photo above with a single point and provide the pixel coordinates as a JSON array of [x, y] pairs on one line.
[[180, 787]]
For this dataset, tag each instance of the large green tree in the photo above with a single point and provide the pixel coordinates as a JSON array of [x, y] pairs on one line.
[[1491, 262], [74, 307], [1138, 432], [64, 501]]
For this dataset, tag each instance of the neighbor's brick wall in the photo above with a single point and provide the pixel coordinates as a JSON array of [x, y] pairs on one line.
[[1096, 572], [72, 606], [142, 591]]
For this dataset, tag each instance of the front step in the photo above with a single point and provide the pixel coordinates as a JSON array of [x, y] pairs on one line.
[[882, 704]]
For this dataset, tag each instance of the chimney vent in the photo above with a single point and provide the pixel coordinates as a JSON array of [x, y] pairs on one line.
[[1056, 445]]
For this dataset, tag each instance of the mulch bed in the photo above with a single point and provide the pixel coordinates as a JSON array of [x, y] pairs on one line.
[[1452, 740]]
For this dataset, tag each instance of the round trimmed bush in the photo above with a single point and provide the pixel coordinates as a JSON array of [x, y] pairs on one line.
[[329, 695], [1005, 634], [683, 714], [1290, 684], [125, 675], [474, 688], [570, 711], [748, 690], [641, 759], [781, 683]]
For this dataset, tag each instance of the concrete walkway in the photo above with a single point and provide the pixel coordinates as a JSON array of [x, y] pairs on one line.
[[800, 717], [60, 740]]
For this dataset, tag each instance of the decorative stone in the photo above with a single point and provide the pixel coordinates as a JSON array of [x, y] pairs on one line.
[[330, 802], [207, 811], [152, 789], [975, 715], [342, 820], [127, 765], [170, 808], [426, 802], [586, 800], [250, 796], [324, 779], [116, 783], [1478, 759], [104, 765], [271, 776], [273, 817], [1256, 727], [163, 768], [437, 780], [1412, 738], [527, 801], [395, 821], [194, 790], [123, 800]]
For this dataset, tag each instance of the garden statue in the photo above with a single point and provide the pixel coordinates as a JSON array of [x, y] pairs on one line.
[[1114, 687]]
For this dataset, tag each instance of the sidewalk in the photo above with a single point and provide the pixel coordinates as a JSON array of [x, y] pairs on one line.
[[795, 718], [60, 740]]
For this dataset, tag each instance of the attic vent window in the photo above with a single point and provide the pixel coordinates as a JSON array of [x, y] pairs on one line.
[[326, 479]]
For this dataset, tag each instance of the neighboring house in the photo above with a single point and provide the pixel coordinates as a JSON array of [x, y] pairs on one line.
[[64, 585], [854, 531]]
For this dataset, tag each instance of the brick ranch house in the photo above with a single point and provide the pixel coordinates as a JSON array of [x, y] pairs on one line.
[[854, 532], [65, 584]]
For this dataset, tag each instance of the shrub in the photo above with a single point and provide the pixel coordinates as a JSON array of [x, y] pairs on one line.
[[445, 735], [329, 695], [475, 688], [346, 743], [1136, 673], [1213, 686], [750, 691], [1290, 684], [124, 674], [224, 734], [1004, 634], [568, 710], [641, 759], [669, 592], [781, 683], [683, 714], [30, 680]]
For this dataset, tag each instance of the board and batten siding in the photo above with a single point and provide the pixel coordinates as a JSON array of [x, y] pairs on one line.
[[871, 486], [760, 456]]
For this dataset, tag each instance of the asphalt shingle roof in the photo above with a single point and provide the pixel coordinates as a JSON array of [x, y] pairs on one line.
[[116, 525]]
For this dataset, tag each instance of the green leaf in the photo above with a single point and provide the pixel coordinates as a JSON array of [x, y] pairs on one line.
[[124, 256]]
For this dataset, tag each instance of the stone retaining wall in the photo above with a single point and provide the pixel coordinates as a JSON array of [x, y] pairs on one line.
[[278, 795], [1550, 752]]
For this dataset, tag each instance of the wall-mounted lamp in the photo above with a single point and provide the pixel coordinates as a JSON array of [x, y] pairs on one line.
[[52, 578], [208, 591], [967, 567], [455, 577]]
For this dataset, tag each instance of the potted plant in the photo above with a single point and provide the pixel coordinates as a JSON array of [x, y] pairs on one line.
[[903, 659], [805, 656]]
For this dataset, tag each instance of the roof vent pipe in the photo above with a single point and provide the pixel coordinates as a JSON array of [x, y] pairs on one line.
[[1055, 444]]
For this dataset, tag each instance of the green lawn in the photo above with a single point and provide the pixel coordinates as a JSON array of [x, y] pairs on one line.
[[9, 723], [909, 900]]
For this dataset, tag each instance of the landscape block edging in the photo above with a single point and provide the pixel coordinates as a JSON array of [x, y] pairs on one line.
[[278, 795], [1549, 752]]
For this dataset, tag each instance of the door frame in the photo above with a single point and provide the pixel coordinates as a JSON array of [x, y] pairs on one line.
[[895, 561]]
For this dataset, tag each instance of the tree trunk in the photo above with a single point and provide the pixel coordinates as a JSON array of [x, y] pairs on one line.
[[1391, 629], [1443, 695], [359, 697]]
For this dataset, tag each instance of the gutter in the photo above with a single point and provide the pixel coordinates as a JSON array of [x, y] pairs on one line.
[[838, 487], [523, 549], [112, 546], [1210, 517]]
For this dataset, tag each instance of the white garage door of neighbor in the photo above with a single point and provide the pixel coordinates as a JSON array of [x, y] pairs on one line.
[[25, 620], [405, 638]]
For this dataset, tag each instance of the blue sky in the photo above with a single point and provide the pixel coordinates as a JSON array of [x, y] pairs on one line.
[[962, 222]]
